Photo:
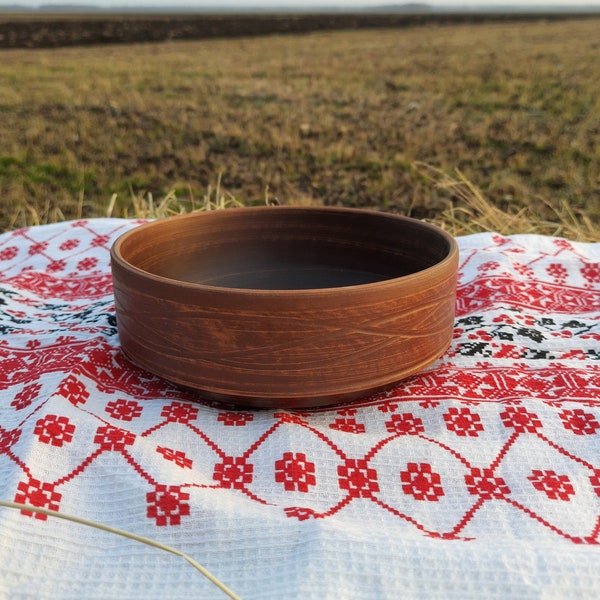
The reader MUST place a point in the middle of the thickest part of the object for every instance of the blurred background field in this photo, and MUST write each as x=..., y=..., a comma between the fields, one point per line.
x=472, y=126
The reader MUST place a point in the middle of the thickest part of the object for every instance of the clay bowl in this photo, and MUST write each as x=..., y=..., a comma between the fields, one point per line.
x=285, y=306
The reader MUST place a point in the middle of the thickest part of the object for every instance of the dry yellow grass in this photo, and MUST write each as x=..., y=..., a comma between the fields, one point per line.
x=428, y=121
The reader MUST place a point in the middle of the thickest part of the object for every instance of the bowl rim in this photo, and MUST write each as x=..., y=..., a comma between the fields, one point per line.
x=117, y=257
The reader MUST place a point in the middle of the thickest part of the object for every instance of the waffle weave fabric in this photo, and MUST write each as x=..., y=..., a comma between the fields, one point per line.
x=477, y=478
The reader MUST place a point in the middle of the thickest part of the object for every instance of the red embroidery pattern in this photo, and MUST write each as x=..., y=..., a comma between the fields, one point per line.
x=233, y=472
x=522, y=371
x=483, y=483
x=26, y=396
x=176, y=456
x=178, y=412
x=73, y=390
x=421, y=482
x=235, y=419
x=579, y=421
x=463, y=422
x=348, y=424
x=521, y=420
x=166, y=505
x=556, y=487
x=405, y=424
x=358, y=478
x=54, y=430
x=124, y=410
x=38, y=494
x=111, y=438
x=295, y=472
x=8, y=438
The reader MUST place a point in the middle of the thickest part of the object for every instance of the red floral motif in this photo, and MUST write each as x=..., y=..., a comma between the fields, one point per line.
x=124, y=410
x=429, y=404
x=8, y=438
x=9, y=253
x=178, y=412
x=579, y=421
x=54, y=430
x=37, y=248
x=557, y=272
x=294, y=419
x=295, y=472
x=176, y=456
x=100, y=240
x=235, y=419
x=504, y=318
x=87, y=264
x=463, y=422
x=595, y=481
x=68, y=245
x=113, y=438
x=347, y=412
x=556, y=487
x=481, y=335
x=421, y=482
x=38, y=494
x=348, y=425
x=562, y=244
x=233, y=472
x=358, y=478
x=73, y=390
x=523, y=269
x=387, y=406
x=56, y=265
x=299, y=512
x=490, y=265
x=591, y=272
x=26, y=396
x=520, y=419
x=508, y=351
x=405, y=424
x=167, y=504
x=483, y=483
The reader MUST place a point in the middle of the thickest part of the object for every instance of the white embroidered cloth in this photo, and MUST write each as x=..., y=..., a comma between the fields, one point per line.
x=478, y=478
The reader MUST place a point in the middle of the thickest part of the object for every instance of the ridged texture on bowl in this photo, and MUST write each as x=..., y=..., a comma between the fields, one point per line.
x=286, y=348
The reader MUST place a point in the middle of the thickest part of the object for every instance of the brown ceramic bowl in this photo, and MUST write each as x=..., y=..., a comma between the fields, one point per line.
x=285, y=306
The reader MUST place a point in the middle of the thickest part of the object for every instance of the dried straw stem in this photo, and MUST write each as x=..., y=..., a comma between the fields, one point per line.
x=125, y=534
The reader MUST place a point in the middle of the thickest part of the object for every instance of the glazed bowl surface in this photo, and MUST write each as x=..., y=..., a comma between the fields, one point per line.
x=289, y=307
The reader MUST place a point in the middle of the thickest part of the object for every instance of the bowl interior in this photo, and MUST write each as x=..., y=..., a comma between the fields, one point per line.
x=285, y=248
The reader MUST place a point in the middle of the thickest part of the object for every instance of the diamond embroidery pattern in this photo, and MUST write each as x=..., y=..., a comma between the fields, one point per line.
x=524, y=366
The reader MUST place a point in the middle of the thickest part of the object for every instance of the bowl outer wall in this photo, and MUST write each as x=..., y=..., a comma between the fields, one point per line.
x=291, y=348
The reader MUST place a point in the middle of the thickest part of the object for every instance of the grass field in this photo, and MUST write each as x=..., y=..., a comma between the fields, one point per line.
x=470, y=126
